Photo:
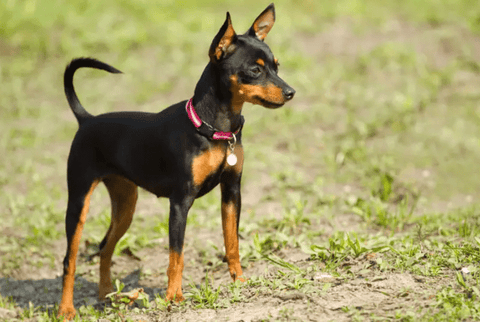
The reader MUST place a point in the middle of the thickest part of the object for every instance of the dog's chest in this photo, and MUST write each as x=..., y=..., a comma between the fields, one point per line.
x=207, y=165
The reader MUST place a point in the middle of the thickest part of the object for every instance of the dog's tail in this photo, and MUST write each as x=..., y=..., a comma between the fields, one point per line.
x=80, y=113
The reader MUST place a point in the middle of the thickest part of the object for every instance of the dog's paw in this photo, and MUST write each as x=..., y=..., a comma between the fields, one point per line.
x=176, y=297
x=68, y=313
x=104, y=290
x=242, y=279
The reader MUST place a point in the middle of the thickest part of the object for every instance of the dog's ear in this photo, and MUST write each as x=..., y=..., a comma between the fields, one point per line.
x=264, y=22
x=224, y=42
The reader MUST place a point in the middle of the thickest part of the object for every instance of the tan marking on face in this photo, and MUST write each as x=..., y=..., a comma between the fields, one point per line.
x=174, y=273
x=249, y=93
x=237, y=95
x=261, y=62
x=206, y=164
x=275, y=60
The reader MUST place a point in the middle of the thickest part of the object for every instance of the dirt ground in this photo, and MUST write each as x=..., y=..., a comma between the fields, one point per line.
x=380, y=294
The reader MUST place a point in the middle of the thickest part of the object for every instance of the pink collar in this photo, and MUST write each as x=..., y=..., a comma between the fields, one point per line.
x=205, y=128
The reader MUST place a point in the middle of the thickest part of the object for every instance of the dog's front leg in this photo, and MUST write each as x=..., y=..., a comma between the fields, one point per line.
x=176, y=229
x=231, y=205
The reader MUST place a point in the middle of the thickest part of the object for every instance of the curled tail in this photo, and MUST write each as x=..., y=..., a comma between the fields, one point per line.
x=80, y=113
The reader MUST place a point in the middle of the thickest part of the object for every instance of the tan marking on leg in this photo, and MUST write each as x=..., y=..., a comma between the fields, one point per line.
x=123, y=196
x=206, y=163
x=230, y=236
x=66, y=309
x=174, y=272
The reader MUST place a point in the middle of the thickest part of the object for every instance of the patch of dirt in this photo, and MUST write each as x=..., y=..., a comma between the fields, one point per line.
x=372, y=291
x=383, y=294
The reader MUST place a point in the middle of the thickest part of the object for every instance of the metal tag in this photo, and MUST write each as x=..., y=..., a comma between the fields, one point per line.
x=232, y=159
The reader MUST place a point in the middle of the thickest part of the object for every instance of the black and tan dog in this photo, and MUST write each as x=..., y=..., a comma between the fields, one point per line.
x=181, y=153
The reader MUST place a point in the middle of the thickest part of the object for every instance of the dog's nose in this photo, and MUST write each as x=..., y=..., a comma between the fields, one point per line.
x=288, y=93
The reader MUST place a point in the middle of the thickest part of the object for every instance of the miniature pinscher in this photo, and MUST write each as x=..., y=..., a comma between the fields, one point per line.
x=180, y=153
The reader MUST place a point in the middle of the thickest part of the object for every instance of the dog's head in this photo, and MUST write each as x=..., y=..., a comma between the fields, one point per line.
x=250, y=64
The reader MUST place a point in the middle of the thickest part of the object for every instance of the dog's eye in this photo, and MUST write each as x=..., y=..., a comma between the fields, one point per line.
x=256, y=71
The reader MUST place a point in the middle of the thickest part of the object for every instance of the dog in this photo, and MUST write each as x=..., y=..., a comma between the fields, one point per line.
x=180, y=153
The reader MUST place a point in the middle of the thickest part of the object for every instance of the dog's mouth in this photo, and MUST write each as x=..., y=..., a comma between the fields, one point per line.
x=268, y=104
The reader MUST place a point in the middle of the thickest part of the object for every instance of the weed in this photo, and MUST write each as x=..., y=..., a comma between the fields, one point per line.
x=455, y=306
x=122, y=301
x=205, y=296
x=235, y=290
x=342, y=246
x=281, y=263
x=7, y=302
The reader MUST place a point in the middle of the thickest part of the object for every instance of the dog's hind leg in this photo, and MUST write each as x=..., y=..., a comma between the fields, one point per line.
x=77, y=209
x=123, y=195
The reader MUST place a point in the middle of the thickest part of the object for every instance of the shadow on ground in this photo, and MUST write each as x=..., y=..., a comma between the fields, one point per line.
x=48, y=292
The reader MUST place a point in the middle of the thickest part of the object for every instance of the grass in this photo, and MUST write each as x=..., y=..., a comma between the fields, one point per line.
x=369, y=174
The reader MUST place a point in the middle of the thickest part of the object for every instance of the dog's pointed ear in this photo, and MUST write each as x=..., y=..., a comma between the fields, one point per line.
x=224, y=42
x=264, y=22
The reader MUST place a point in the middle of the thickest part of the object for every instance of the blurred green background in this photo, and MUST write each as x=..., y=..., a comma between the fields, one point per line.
x=384, y=89
x=387, y=86
x=387, y=105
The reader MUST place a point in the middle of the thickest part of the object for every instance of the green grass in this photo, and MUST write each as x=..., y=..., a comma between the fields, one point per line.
x=371, y=170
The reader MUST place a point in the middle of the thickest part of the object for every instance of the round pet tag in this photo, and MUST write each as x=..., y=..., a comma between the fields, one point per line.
x=232, y=159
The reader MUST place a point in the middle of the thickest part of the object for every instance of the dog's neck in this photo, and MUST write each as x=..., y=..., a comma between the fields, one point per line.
x=213, y=101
